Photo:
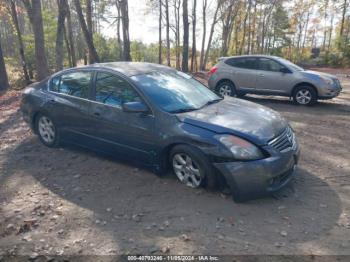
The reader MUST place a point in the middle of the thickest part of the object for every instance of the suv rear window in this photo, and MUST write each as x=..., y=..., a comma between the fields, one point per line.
x=246, y=62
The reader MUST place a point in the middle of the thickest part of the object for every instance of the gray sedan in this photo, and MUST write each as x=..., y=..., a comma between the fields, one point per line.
x=271, y=75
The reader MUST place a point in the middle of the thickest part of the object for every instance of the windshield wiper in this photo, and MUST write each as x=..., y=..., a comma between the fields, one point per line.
x=212, y=102
x=183, y=110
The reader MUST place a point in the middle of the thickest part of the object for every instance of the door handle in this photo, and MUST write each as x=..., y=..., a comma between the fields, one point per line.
x=52, y=101
x=97, y=114
x=261, y=75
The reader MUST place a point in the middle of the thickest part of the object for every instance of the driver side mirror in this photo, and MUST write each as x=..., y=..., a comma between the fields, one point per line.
x=285, y=70
x=135, y=107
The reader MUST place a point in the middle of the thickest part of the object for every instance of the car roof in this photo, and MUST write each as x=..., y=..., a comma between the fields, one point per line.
x=130, y=68
x=244, y=56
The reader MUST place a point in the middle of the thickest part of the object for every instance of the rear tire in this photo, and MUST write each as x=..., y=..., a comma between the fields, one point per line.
x=46, y=130
x=184, y=159
x=226, y=88
x=305, y=95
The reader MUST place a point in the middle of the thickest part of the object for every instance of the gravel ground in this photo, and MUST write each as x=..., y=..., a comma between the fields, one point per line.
x=71, y=201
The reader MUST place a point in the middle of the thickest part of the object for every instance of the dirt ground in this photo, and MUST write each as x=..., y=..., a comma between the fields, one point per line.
x=71, y=201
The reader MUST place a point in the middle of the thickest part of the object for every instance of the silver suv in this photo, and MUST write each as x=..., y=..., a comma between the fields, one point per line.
x=271, y=75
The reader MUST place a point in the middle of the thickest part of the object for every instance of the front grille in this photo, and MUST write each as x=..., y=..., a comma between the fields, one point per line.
x=285, y=141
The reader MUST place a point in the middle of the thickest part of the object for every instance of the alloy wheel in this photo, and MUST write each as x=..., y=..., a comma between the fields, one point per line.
x=303, y=96
x=187, y=170
x=225, y=90
x=46, y=129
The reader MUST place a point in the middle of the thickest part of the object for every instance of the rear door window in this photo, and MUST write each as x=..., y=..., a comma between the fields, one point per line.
x=74, y=84
x=243, y=62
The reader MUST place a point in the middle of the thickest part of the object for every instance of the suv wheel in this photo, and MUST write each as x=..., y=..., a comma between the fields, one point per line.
x=226, y=89
x=305, y=95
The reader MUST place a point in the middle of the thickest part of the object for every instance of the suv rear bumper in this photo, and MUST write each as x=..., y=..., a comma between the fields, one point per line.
x=253, y=179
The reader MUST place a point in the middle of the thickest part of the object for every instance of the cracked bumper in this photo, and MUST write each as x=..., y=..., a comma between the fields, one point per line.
x=253, y=179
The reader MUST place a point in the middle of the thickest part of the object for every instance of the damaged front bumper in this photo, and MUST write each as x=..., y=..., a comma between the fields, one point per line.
x=253, y=179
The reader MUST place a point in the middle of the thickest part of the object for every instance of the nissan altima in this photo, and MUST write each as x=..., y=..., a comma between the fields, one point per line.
x=166, y=120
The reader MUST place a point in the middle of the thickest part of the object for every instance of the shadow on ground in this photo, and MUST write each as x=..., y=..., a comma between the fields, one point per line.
x=167, y=209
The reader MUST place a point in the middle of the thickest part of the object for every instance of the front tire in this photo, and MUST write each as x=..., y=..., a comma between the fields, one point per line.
x=192, y=168
x=305, y=95
x=46, y=130
x=226, y=88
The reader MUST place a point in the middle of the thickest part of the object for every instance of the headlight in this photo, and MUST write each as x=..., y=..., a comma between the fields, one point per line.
x=327, y=80
x=240, y=148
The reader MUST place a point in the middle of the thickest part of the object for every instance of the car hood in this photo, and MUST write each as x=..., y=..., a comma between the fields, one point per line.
x=246, y=119
x=317, y=74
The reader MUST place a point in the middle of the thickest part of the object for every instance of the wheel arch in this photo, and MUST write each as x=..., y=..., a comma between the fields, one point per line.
x=304, y=84
x=166, y=165
x=222, y=81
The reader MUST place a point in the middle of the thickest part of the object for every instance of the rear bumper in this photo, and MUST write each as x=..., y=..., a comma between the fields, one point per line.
x=254, y=179
x=212, y=81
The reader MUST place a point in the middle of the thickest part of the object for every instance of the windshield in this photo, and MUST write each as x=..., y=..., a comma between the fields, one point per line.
x=174, y=91
x=291, y=65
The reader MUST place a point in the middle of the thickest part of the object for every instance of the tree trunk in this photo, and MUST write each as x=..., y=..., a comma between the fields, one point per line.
x=89, y=26
x=306, y=29
x=66, y=41
x=185, y=36
x=160, y=33
x=341, y=32
x=87, y=35
x=70, y=38
x=177, y=5
x=125, y=22
x=194, y=49
x=20, y=41
x=34, y=12
x=241, y=50
x=204, y=19
x=62, y=12
x=118, y=32
x=167, y=32
x=4, y=83
x=253, y=30
x=330, y=32
x=325, y=25
x=211, y=35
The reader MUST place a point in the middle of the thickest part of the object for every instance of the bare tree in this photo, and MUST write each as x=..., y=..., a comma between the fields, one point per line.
x=341, y=32
x=33, y=8
x=4, y=83
x=204, y=19
x=194, y=51
x=92, y=51
x=118, y=31
x=177, y=5
x=185, y=36
x=89, y=24
x=160, y=33
x=70, y=38
x=14, y=17
x=167, y=32
x=215, y=20
x=124, y=10
x=62, y=13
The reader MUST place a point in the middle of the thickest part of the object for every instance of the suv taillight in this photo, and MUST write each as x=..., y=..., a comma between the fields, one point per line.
x=212, y=71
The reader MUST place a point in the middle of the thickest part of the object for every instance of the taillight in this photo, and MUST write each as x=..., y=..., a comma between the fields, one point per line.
x=212, y=71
